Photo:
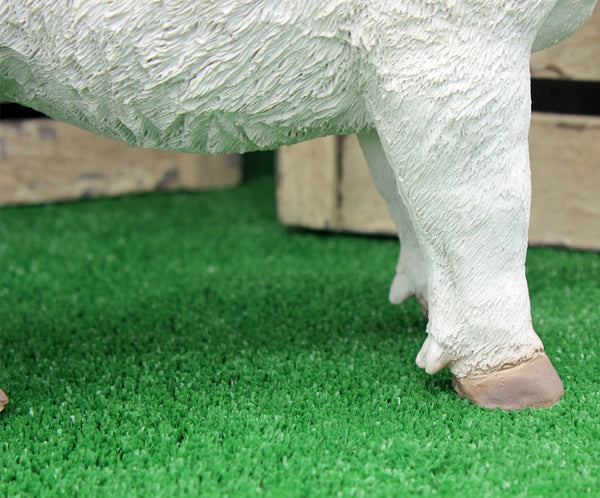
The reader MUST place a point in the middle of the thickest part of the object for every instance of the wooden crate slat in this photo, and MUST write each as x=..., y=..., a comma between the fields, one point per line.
x=42, y=160
x=307, y=184
x=565, y=162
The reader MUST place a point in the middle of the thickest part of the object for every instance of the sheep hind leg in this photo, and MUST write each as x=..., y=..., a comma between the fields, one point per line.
x=411, y=272
x=3, y=400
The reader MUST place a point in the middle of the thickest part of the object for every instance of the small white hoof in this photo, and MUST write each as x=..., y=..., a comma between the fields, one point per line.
x=432, y=358
x=402, y=288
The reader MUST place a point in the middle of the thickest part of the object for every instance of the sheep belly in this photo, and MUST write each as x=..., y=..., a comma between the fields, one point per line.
x=206, y=77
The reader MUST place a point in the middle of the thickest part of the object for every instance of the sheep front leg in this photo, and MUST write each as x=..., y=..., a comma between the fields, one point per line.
x=458, y=154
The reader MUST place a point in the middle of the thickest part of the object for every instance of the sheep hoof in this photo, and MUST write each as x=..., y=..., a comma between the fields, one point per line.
x=432, y=358
x=531, y=384
x=3, y=400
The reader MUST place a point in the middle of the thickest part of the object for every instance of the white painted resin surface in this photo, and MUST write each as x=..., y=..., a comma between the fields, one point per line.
x=212, y=77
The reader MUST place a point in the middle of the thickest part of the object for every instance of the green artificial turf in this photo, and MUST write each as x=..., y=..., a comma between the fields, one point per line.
x=176, y=344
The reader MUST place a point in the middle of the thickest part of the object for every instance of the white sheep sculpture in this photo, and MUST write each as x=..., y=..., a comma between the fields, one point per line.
x=437, y=91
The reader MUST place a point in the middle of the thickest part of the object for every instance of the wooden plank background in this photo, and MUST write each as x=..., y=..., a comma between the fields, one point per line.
x=43, y=160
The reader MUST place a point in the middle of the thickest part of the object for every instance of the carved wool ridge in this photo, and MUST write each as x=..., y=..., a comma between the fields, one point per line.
x=203, y=76
x=193, y=76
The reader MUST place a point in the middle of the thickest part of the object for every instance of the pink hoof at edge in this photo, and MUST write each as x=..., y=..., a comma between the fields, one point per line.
x=3, y=400
x=531, y=384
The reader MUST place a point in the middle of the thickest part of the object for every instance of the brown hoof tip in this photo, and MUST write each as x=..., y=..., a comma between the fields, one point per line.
x=3, y=400
x=531, y=384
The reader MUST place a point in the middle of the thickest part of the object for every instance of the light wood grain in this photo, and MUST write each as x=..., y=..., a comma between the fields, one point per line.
x=308, y=184
x=42, y=160
x=565, y=159
x=565, y=163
